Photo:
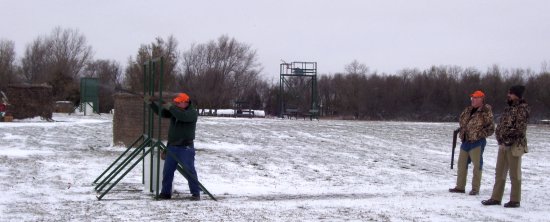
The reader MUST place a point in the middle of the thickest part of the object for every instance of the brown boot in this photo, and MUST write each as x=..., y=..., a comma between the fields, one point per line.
x=455, y=190
x=474, y=192
x=195, y=197
x=164, y=196
x=490, y=202
x=512, y=204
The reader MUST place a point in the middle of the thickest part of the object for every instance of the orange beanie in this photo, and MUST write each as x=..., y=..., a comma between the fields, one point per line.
x=181, y=97
x=477, y=94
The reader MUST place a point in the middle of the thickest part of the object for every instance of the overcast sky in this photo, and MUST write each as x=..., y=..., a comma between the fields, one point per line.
x=386, y=35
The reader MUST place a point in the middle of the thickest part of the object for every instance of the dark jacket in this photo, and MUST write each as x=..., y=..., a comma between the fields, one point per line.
x=512, y=128
x=183, y=123
x=477, y=125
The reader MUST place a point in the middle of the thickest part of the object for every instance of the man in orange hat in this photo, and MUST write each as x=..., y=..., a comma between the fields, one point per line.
x=181, y=133
x=476, y=124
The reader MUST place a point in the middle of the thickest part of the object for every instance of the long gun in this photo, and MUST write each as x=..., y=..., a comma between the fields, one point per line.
x=455, y=135
x=128, y=91
x=135, y=93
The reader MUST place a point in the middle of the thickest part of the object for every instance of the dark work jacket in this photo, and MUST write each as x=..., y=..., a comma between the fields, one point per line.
x=183, y=123
x=512, y=128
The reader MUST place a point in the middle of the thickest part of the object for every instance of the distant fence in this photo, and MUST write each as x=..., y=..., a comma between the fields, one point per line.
x=232, y=113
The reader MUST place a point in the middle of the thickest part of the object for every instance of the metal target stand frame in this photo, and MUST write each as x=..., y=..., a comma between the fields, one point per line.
x=301, y=70
x=146, y=143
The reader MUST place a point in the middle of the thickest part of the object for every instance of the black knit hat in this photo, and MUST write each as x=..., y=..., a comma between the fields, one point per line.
x=517, y=90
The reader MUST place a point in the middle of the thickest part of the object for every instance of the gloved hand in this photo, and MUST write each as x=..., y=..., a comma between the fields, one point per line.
x=147, y=99
x=167, y=106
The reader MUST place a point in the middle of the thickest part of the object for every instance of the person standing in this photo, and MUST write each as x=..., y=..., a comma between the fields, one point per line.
x=512, y=144
x=181, y=133
x=476, y=124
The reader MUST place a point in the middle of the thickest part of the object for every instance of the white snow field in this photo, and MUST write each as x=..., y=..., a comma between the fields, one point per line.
x=264, y=170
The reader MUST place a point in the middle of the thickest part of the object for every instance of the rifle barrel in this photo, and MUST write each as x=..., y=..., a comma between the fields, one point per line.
x=455, y=135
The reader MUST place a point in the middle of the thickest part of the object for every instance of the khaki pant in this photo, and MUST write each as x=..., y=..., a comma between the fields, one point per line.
x=506, y=162
x=475, y=156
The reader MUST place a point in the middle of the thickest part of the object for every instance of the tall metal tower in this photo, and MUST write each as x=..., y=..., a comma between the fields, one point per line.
x=298, y=88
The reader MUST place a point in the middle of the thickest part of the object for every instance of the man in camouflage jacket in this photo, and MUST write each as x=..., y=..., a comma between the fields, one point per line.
x=476, y=124
x=512, y=142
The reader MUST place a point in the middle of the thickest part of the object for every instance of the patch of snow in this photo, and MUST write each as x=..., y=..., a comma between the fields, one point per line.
x=263, y=170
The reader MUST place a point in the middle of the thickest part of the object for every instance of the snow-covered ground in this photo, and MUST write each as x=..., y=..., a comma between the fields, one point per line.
x=263, y=170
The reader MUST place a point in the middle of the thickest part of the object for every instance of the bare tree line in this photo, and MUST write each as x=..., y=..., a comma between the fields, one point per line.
x=436, y=94
x=57, y=59
x=159, y=48
x=217, y=73
x=7, y=63
x=221, y=72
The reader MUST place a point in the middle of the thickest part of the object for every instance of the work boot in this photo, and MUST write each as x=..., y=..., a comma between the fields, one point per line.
x=195, y=197
x=490, y=202
x=474, y=192
x=164, y=196
x=512, y=204
x=455, y=190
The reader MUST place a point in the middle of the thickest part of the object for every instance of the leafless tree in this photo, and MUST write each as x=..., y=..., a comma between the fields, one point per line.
x=109, y=74
x=538, y=94
x=36, y=61
x=356, y=67
x=70, y=52
x=108, y=71
x=57, y=59
x=219, y=72
x=159, y=48
x=8, y=67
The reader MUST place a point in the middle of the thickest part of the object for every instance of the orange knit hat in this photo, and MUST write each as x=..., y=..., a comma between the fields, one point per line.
x=181, y=98
x=477, y=94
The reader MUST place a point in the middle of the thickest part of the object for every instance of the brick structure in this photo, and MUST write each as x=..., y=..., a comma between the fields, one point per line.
x=64, y=107
x=28, y=101
x=128, y=119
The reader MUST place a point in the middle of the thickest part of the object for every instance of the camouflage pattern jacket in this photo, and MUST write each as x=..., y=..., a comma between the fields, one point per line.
x=512, y=127
x=477, y=125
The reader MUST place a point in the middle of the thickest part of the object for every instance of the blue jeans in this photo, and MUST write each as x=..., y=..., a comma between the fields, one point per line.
x=186, y=155
x=467, y=146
